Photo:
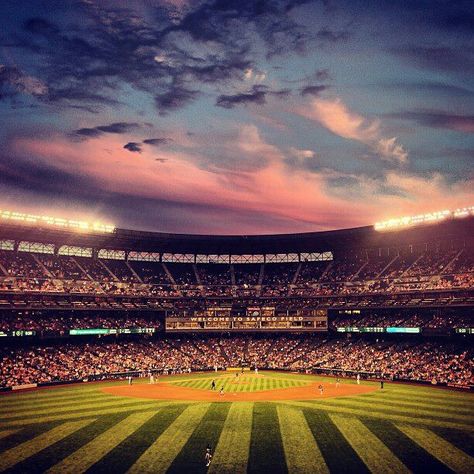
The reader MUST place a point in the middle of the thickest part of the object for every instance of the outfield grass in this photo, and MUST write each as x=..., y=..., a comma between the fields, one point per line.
x=79, y=428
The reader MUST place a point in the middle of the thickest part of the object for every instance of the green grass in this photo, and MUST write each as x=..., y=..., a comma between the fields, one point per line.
x=265, y=438
x=242, y=383
x=79, y=428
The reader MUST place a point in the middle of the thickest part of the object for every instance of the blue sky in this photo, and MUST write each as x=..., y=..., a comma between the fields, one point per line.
x=236, y=116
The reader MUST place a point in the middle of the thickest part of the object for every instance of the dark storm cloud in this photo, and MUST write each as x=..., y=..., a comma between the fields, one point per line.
x=228, y=21
x=112, y=46
x=313, y=90
x=256, y=95
x=133, y=147
x=74, y=94
x=438, y=119
x=175, y=97
x=116, y=128
x=220, y=69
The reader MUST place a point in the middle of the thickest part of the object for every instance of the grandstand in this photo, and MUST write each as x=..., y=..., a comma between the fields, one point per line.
x=332, y=300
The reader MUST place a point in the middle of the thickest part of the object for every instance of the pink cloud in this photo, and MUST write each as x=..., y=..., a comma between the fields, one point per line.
x=288, y=201
x=334, y=115
x=270, y=190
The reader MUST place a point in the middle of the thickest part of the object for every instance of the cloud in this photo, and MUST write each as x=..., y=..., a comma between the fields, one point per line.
x=302, y=154
x=159, y=51
x=259, y=197
x=256, y=95
x=118, y=127
x=13, y=81
x=389, y=148
x=234, y=22
x=174, y=98
x=277, y=201
x=334, y=115
x=323, y=75
x=438, y=119
x=314, y=90
x=133, y=147
x=254, y=76
x=157, y=141
x=115, y=128
x=236, y=151
x=88, y=132
x=137, y=147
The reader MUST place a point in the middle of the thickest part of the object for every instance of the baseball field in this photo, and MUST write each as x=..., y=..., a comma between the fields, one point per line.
x=268, y=422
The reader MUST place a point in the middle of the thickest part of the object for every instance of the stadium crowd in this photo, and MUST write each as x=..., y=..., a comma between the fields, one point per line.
x=68, y=320
x=435, y=362
x=346, y=275
x=408, y=319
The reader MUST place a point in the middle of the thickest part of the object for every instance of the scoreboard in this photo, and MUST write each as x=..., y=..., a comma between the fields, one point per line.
x=258, y=319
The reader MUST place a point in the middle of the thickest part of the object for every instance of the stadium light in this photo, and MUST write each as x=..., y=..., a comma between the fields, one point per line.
x=429, y=218
x=70, y=224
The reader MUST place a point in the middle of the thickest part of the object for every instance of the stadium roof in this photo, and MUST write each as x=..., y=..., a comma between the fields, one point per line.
x=356, y=238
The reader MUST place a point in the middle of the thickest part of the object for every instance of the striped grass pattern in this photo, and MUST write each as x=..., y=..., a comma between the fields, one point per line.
x=232, y=451
x=159, y=456
x=448, y=454
x=89, y=454
x=375, y=455
x=80, y=428
x=242, y=383
x=301, y=450
x=37, y=444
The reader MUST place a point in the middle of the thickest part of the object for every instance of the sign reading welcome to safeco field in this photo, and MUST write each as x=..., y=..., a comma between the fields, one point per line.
x=252, y=321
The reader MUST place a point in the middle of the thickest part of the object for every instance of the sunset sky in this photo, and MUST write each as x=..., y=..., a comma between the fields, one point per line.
x=235, y=116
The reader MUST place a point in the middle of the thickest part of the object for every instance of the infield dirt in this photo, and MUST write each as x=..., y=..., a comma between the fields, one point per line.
x=168, y=391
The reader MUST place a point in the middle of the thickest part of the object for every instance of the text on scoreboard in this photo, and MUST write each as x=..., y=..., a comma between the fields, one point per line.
x=253, y=319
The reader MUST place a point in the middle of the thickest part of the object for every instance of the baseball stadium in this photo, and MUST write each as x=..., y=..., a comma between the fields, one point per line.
x=337, y=351
x=236, y=236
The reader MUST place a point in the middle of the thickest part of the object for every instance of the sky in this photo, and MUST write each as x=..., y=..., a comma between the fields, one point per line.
x=236, y=116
